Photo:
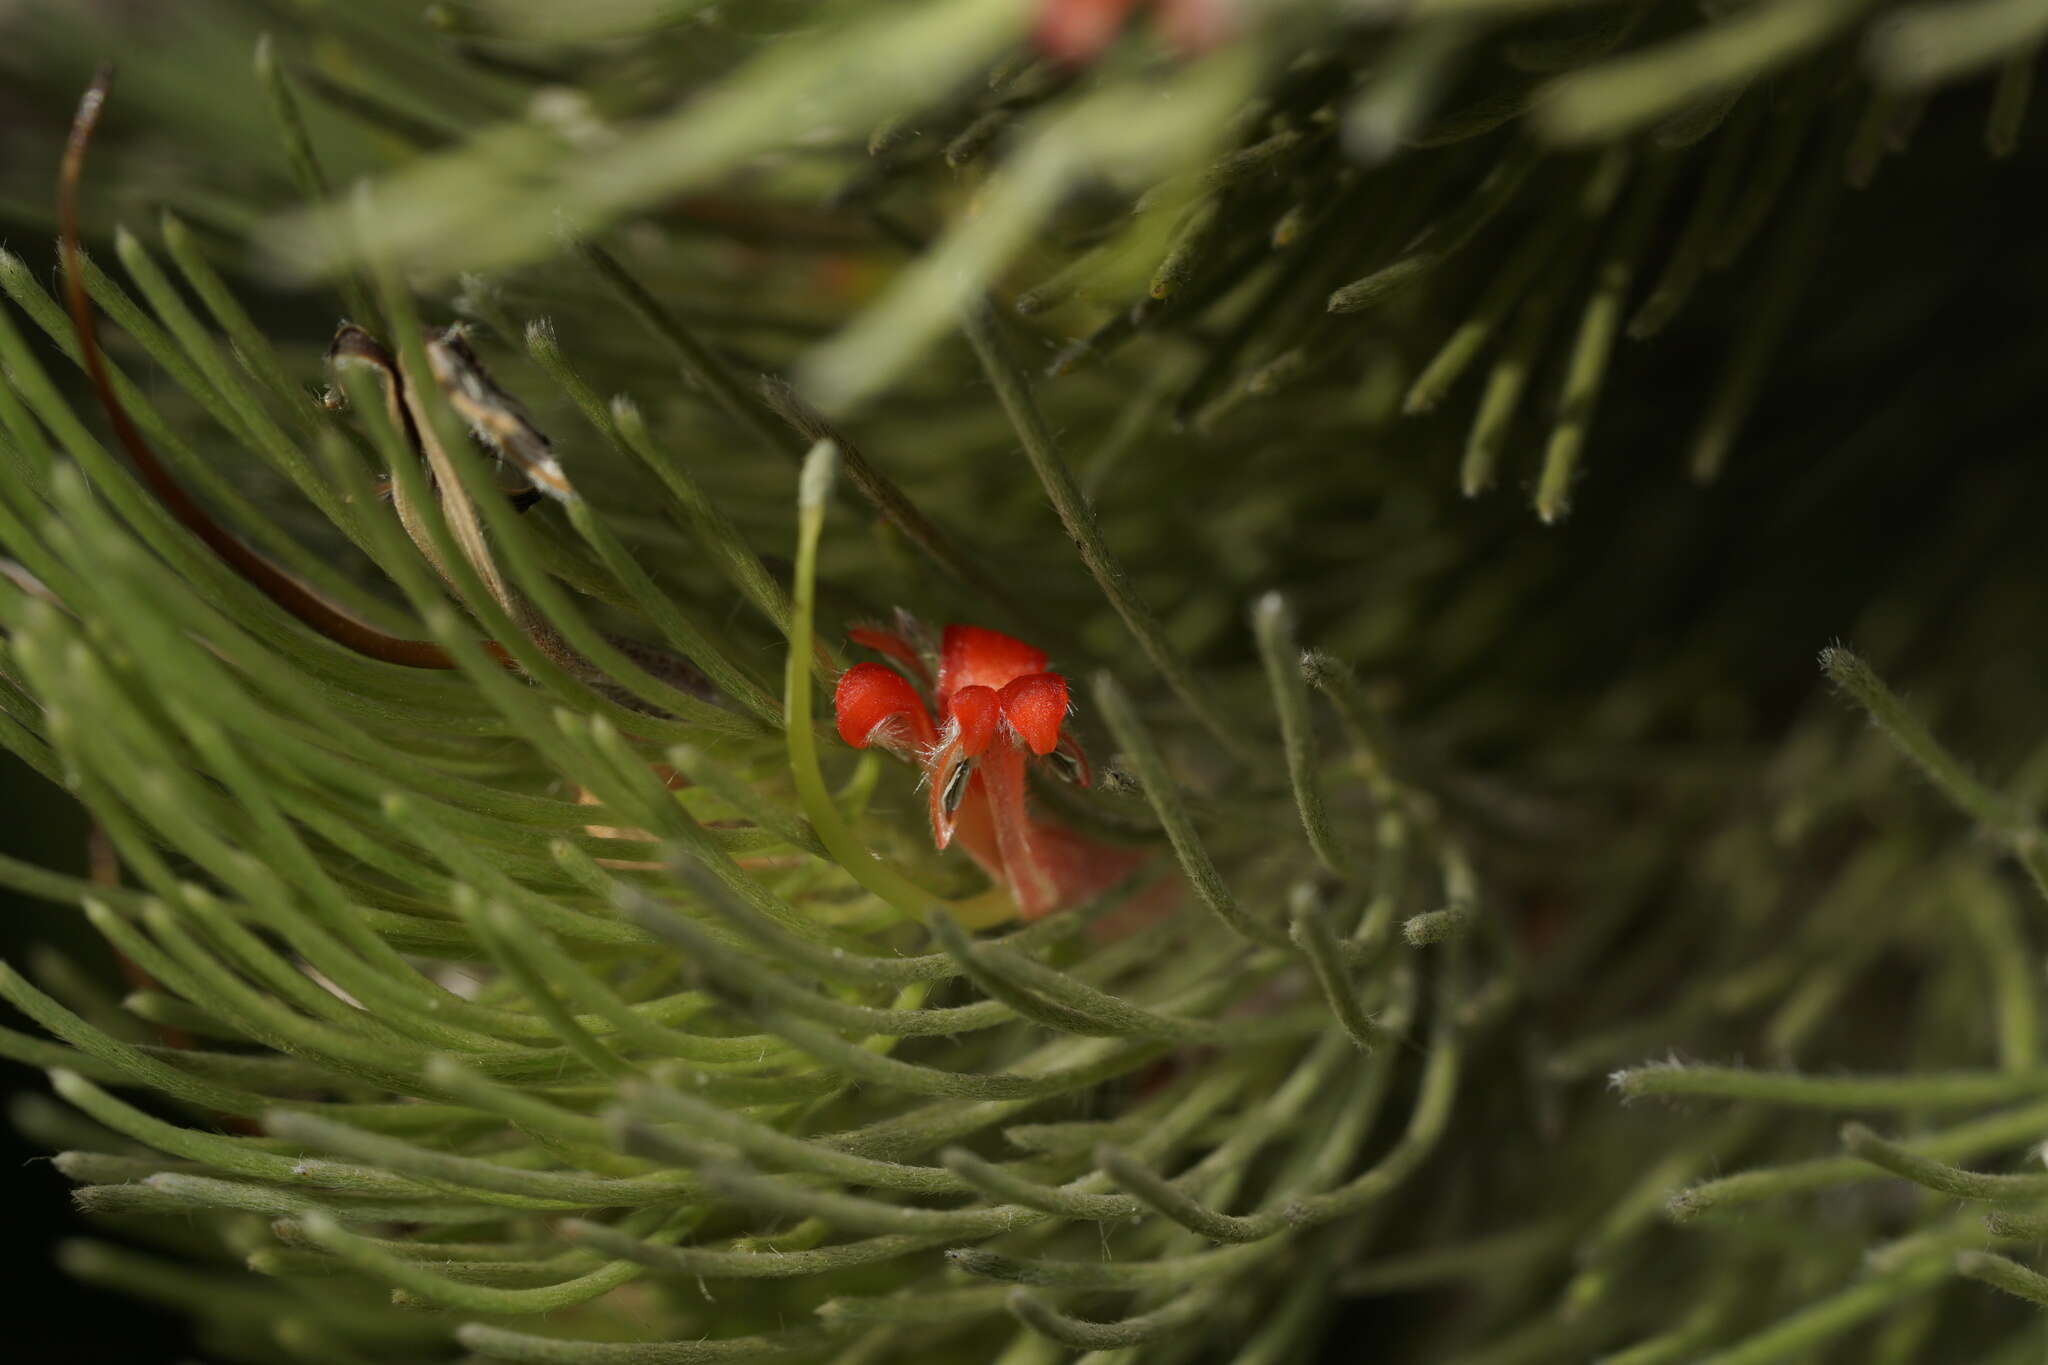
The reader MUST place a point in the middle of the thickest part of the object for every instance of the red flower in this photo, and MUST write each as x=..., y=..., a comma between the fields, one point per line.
x=1078, y=30
x=997, y=707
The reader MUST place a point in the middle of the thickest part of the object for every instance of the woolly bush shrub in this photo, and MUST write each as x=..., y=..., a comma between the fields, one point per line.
x=1430, y=439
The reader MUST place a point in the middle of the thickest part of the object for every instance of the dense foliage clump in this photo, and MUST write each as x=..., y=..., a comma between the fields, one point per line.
x=1430, y=441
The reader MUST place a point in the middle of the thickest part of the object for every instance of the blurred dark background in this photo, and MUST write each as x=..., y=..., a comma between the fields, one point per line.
x=52, y=1318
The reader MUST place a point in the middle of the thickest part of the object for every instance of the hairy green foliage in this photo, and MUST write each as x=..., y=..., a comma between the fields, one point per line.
x=609, y=1008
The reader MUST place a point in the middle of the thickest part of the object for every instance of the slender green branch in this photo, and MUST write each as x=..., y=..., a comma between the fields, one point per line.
x=1273, y=626
x=1935, y=1090
x=877, y=875
x=1082, y=1335
x=2001, y=1272
x=1077, y=515
x=1311, y=931
x=1164, y=794
x=1808, y=1331
x=1906, y=730
x=1937, y=1175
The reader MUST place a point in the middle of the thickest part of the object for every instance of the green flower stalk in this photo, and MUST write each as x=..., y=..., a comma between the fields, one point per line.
x=521, y=967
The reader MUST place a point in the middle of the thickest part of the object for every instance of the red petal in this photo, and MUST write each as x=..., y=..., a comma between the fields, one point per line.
x=1035, y=705
x=971, y=715
x=869, y=696
x=1031, y=881
x=1076, y=30
x=1080, y=869
x=976, y=709
x=973, y=656
x=973, y=829
x=1198, y=25
x=891, y=645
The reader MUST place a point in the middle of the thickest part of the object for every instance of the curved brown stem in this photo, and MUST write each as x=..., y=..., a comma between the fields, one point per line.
x=311, y=609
